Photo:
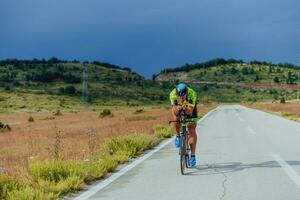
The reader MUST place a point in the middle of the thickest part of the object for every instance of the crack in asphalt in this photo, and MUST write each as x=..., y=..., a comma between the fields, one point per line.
x=223, y=184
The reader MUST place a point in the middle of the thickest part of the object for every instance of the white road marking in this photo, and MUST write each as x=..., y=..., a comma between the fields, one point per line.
x=241, y=119
x=294, y=176
x=251, y=130
x=87, y=194
x=112, y=178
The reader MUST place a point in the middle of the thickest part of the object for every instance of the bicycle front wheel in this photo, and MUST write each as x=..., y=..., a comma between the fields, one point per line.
x=183, y=161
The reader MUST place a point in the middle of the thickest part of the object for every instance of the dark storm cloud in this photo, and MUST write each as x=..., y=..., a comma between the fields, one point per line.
x=150, y=35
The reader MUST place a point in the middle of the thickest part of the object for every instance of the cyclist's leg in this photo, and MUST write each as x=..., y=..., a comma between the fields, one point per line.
x=192, y=131
x=176, y=124
x=192, y=138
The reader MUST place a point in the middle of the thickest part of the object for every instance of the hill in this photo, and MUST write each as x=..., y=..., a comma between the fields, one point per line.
x=236, y=71
x=49, y=85
x=55, y=70
x=235, y=80
x=42, y=85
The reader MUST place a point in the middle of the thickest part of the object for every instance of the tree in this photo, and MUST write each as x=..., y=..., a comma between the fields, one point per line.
x=233, y=70
x=245, y=70
x=70, y=89
x=290, y=78
x=70, y=78
x=276, y=79
x=282, y=100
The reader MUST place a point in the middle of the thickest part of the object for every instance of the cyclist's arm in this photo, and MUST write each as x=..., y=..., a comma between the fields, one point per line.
x=192, y=96
x=173, y=98
x=174, y=103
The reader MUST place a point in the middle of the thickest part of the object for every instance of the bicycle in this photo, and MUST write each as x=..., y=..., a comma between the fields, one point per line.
x=184, y=150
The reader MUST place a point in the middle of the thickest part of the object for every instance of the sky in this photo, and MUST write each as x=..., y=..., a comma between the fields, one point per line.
x=148, y=36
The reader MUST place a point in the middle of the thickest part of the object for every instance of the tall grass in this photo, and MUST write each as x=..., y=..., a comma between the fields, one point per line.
x=162, y=131
x=140, y=117
x=6, y=185
x=54, y=178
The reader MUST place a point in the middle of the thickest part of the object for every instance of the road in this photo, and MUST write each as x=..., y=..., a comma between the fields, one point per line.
x=242, y=154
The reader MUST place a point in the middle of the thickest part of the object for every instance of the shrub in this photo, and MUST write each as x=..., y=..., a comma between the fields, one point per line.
x=124, y=148
x=7, y=88
x=282, y=100
x=163, y=131
x=70, y=89
x=4, y=127
x=61, y=90
x=99, y=167
x=105, y=113
x=139, y=110
x=57, y=176
x=57, y=113
x=30, y=119
x=30, y=193
x=6, y=185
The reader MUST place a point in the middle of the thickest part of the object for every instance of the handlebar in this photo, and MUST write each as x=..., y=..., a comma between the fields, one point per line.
x=185, y=121
x=182, y=117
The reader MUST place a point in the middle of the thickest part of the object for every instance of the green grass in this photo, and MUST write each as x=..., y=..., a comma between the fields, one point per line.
x=290, y=116
x=162, y=131
x=30, y=193
x=53, y=179
x=7, y=184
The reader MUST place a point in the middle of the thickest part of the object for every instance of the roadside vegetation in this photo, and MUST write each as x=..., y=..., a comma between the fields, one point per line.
x=289, y=110
x=64, y=169
x=54, y=178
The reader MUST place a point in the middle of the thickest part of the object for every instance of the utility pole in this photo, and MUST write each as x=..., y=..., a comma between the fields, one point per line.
x=85, y=92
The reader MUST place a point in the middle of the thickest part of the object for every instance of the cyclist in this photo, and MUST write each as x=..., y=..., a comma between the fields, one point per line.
x=184, y=97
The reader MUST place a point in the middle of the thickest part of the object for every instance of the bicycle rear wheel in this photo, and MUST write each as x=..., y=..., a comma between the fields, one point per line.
x=187, y=152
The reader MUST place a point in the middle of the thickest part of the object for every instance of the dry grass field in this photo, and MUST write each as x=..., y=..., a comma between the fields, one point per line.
x=289, y=109
x=75, y=136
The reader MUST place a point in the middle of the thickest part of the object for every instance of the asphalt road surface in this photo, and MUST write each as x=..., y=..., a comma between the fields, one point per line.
x=242, y=154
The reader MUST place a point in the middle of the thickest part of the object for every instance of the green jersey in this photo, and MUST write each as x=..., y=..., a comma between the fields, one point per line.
x=191, y=98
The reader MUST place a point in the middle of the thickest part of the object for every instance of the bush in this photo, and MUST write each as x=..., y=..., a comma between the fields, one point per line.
x=30, y=119
x=70, y=89
x=57, y=176
x=139, y=110
x=124, y=148
x=282, y=100
x=30, y=193
x=4, y=127
x=7, y=88
x=61, y=90
x=163, y=131
x=57, y=113
x=105, y=113
x=6, y=185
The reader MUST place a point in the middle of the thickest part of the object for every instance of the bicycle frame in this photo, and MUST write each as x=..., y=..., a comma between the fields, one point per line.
x=184, y=150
